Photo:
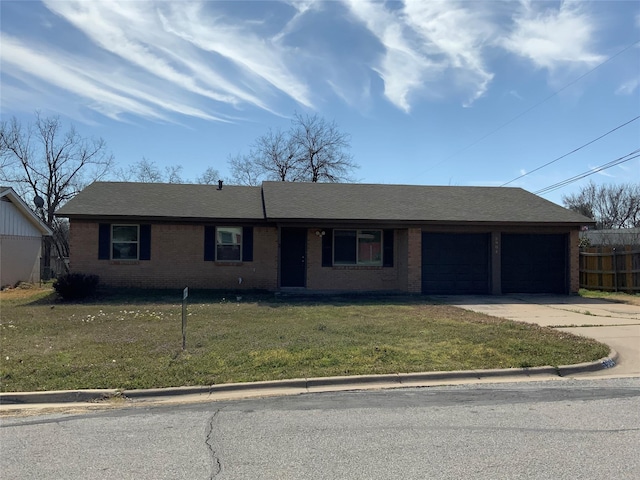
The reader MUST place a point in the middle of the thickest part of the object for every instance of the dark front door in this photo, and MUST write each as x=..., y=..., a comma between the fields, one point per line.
x=293, y=250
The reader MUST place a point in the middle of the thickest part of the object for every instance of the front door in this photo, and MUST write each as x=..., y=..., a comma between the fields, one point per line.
x=293, y=249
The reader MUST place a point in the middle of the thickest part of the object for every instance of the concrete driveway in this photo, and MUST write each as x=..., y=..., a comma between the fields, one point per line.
x=615, y=324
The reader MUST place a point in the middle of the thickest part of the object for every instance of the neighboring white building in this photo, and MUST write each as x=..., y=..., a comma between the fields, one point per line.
x=21, y=233
x=612, y=237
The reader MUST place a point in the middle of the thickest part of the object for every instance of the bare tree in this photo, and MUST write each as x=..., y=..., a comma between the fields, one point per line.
x=313, y=150
x=147, y=171
x=43, y=161
x=277, y=156
x=244, y=171
x=611, y=206
x=144, y=171
x=173, y=173
x=209, y=177
x=322, y=150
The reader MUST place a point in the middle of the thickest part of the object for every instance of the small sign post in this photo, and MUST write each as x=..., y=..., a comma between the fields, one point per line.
x=185, y=294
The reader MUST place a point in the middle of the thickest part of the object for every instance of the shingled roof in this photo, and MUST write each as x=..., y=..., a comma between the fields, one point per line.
x=165, y=201
x=330, y=202
x=411, y=203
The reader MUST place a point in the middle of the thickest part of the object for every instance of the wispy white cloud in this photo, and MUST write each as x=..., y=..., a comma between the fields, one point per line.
x=628, y=87
x=107, y=91
x=209, y=60
x=302, y=8
x=260, y=57
x=158, y=59
x=600, y=172
x=554, y=38
x=426, y=43
x=514, y=94
x=130, y=31
x=458, y=33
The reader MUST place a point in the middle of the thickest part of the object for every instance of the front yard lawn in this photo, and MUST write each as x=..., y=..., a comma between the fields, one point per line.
x=133, y=339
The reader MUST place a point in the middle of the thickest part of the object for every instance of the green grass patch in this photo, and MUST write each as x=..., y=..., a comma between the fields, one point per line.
x=133, y=340
x=619, y=297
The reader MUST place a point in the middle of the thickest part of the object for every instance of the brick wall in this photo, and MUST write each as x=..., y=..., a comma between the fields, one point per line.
x=355, y=278
x=177, y=260
x=414, y=256
x=574, y=261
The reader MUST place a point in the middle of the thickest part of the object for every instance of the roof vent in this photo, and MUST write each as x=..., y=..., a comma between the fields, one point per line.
x=219, y=184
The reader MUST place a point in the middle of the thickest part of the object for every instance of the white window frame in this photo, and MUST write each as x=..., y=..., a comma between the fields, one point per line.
x=217, y=229
x=136, y=242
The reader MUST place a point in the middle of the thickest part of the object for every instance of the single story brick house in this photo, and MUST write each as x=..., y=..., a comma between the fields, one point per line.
x=324, y=237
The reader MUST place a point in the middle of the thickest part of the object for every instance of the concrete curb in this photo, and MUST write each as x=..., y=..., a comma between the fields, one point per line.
x=302, y=385
x=57, y=396
x=606, y=362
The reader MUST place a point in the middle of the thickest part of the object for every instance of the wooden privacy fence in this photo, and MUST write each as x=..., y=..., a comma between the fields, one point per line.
x=615, y=269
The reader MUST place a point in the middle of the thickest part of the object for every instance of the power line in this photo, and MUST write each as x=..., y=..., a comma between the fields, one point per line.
x=536, y=105
x=612, y=163
x=572, y=151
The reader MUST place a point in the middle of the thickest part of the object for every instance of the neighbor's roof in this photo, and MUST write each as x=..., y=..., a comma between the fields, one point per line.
x=330, y=202
x=613, y=236
x=165, y=200
x=411, y=203
x=9, y=194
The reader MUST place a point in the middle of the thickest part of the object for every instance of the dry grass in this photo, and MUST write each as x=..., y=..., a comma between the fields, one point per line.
x=133, y=339
x=631, y=299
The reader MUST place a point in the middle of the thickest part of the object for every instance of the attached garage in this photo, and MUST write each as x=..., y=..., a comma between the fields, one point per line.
x=327, y=237
x=454, y=263
x=534, y=263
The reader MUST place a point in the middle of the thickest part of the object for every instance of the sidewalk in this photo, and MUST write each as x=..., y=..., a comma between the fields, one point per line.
x=617, y=325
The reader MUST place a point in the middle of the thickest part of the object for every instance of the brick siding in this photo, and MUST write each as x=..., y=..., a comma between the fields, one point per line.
x=177, y=260
x=354, y=278
x=574, y=261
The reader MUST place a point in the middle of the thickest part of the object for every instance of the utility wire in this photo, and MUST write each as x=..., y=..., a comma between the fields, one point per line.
x=572, y=151
x=536, y=105
x=612, y=163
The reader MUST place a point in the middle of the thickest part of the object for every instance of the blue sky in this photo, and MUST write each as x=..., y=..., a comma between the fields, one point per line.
x=434, y=93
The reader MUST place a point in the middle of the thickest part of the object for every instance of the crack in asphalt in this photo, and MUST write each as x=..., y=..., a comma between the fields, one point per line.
x=216, y=464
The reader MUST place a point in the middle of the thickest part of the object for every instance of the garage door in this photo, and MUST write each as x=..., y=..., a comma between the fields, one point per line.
x=455, y=263
x=534, y=263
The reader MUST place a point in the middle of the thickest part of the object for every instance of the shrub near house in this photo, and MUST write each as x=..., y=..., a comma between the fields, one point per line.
x=74, y=286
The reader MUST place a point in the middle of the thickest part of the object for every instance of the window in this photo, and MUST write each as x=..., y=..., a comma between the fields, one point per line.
x=228, y=244
x=124, y=242
x=357, y=247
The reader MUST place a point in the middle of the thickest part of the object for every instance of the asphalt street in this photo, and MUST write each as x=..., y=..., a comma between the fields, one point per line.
x=561, y=429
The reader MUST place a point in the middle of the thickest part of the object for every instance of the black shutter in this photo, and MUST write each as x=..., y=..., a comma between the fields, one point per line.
x=145, y=242
x=247, y=244
x=209, y=243
x=387, y=246
x=327, y=248
x=104, y=241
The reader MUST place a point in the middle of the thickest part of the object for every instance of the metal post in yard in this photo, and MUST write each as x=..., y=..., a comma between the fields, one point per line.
x=185, y=294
